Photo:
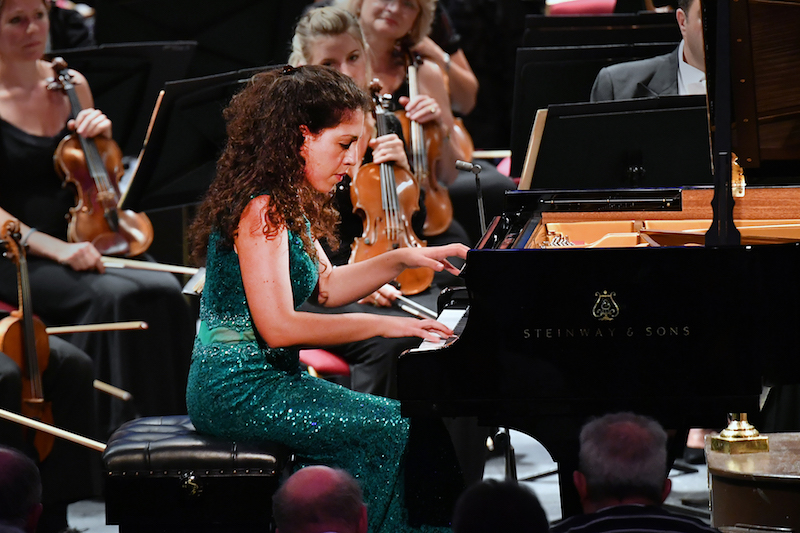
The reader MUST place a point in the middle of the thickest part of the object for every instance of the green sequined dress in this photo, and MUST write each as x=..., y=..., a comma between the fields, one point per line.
x=240, y=388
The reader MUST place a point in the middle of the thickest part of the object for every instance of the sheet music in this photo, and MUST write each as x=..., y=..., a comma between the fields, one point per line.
x=451, y=319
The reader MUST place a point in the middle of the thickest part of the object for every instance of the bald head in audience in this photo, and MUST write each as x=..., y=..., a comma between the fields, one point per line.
x=319, y=499
x=622, y=460
x=20, y=492
x=504, y=506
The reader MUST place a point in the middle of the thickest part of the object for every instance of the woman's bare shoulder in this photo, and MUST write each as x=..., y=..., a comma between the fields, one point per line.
x=254, y=218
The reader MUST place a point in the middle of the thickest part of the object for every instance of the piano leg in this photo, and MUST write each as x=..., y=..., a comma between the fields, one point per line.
x=570, y=500
x=469, y=441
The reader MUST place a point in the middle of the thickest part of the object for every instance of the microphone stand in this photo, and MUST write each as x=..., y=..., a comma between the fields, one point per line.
x=475, y=169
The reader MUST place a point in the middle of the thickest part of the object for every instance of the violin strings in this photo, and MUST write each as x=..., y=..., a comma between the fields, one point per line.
x=93, y=160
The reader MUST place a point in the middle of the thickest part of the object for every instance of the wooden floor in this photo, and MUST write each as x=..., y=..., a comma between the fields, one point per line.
x=689, y=490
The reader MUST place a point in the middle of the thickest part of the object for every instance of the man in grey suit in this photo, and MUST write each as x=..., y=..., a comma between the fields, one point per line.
x=679, y=72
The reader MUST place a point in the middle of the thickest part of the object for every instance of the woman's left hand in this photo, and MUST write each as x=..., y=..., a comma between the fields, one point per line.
x=422, y=108
x=90, y=123
x=435, y=257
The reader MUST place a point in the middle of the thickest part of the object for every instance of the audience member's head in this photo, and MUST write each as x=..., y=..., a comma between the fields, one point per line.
x=623, y=459
x=499, y=506
x=319, y=499
x=20, y=490
x=690, y=22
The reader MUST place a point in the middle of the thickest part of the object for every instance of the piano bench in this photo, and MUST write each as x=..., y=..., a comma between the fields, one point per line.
x=161, y=475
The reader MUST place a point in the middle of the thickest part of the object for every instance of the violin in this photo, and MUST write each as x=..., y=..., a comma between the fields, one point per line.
x=385, y=198
x=463, y=139
x=426, y=151
x=93, y=167
x=24, y=339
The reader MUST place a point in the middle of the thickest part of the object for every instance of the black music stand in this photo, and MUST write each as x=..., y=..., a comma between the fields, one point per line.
x=618, y=28
x=562, y=75
x=231, y=35
x=125, y=80
x=642, y=143
x=186, y=137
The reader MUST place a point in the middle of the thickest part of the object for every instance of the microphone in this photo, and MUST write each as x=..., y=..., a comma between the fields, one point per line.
x=469, y=167
x=475, y=169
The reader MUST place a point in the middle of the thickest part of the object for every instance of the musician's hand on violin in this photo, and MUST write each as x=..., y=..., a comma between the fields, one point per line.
x=389, y=148
x=426, y=328
x=435, y=257
x=90, y=123
x=383, y=297
x=80, y=256
x=422, y=108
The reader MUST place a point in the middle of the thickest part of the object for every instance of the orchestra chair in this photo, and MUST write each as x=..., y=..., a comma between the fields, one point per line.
x=161, y=475
x=579, y=7
x=324, y=364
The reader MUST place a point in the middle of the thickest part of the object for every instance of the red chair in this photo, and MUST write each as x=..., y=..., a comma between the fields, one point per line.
x=582, y=7
x=324, y=364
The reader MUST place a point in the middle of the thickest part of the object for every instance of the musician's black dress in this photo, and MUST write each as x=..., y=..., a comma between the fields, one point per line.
x=150, y=364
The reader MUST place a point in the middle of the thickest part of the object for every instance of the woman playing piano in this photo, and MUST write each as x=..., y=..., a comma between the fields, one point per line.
x=292, y=135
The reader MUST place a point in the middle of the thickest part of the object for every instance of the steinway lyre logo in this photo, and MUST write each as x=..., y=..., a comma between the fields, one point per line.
x=605, y=308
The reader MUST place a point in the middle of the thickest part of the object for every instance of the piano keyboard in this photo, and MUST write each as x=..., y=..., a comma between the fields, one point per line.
x=454, y=319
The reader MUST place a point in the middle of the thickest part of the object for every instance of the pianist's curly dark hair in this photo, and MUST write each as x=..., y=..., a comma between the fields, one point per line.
x=263, y=154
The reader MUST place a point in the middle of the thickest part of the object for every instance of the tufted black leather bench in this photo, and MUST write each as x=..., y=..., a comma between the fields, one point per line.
x=161, y=475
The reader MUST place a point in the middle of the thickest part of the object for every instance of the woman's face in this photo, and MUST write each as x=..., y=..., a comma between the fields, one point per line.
x=24, y=26
x=392, y=18
x=342, y=52
x=331, y=153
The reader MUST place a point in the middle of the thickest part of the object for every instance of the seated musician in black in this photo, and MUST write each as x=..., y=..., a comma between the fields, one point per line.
x=69, y=282
x=68, y=471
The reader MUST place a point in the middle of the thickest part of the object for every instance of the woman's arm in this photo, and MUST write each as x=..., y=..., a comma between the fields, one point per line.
x=78, y=256
x=264, y=264
x=462, y=82
x=348, y=283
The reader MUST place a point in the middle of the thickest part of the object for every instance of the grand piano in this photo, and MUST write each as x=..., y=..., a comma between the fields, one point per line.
x=674, y=303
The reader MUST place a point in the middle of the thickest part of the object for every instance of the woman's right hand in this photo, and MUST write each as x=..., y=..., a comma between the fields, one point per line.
x=423, y=109
x=91, y=123
x=80, y=256
x=435, y=257
x=427, y=328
